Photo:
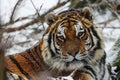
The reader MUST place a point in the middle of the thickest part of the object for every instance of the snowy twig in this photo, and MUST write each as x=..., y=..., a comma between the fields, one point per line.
x=36, y=20
x=112, y=8
x=18, y=20
x=14, y=9
x=37, y=11
x=110, y=27
x=107, y=21
x=23, y=42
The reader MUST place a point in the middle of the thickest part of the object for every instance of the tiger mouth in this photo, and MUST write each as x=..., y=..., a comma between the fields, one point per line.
x=77, y=58
x=71, y=61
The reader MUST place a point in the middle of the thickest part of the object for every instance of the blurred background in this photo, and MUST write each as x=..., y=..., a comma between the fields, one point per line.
x=22, y=23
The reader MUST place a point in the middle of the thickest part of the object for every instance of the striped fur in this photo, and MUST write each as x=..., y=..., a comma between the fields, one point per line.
x=71, y=42
x=12, y=76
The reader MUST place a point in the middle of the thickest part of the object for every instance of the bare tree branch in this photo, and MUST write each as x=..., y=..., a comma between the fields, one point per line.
x=36, y=20
x=23, y=42
x=74, y=3
x=110, y=27
x=14, y=9
x=37, y=11
x=18, y=20
x=107, y=21
x=22, y=26
x=112, y=9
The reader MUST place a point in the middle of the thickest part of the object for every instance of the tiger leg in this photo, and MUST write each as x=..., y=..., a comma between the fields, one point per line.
x=82, y=76
x=75, y=75
x=85, y=76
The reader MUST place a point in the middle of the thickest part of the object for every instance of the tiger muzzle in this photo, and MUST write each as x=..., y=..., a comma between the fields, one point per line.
x=73, y=53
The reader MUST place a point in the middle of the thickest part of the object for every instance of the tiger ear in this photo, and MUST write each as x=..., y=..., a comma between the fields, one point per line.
x=87, y=13
x=50, y=18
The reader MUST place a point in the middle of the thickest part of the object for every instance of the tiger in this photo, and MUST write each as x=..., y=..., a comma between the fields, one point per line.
x=71, y=42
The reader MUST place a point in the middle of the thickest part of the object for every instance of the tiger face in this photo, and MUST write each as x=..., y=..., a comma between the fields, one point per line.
x=71, y=40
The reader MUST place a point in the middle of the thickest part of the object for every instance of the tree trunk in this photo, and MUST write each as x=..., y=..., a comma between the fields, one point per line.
x=2, y=65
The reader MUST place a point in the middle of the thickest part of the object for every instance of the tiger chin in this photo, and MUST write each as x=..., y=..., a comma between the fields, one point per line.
x=71, y=42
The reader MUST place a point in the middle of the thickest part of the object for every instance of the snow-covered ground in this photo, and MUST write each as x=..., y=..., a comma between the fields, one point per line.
x=27, y=35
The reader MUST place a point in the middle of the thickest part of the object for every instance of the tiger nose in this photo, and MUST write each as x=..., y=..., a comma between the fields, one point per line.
x=73, y=53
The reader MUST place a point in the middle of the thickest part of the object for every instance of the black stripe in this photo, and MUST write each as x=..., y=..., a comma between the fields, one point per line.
x=98, y=45
x=31, y=55
x=37, y=48
x=37, y=51
x=85, y=61
x=69, y=23
x=49, y=42
x=103, y=71
x=30, y=63
x=66, y=19
x=19, y=67
x=91, y=37
x=56, y=49
x=95, y=33
x=92, y=53
x=93, y=72
x=11, y=75
x=103, y=61
x=67, y=64
x=20, y=78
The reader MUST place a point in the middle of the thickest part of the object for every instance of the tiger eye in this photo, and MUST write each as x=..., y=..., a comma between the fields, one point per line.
x=61, y=38
x=80, y=34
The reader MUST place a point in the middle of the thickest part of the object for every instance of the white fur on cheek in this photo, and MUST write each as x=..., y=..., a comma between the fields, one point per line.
x=52, y=46
x=45, y=48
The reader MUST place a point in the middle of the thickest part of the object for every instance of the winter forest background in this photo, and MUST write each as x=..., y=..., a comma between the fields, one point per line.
x=22, y=24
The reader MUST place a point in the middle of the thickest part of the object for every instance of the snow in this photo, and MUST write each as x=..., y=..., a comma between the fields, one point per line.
x=27, y=9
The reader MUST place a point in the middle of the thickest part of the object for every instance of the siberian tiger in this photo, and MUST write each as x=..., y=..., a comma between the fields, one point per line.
x=72, y=41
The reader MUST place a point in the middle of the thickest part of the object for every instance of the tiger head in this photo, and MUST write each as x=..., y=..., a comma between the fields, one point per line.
x=71, y=40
